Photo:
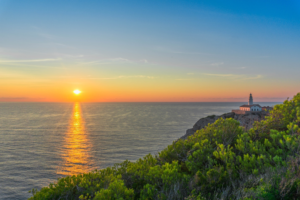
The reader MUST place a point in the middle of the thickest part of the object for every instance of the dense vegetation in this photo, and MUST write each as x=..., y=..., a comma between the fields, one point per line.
x=221, y=161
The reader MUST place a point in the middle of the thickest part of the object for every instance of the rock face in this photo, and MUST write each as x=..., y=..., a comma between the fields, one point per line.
x=246, y=120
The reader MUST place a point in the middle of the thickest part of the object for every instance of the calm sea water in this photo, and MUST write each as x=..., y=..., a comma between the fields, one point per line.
x=40, y=142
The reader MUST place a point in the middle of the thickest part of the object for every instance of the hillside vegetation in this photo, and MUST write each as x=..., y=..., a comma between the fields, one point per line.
x=221, y=161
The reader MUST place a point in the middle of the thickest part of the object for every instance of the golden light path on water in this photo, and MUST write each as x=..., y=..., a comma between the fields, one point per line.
x=76, y=156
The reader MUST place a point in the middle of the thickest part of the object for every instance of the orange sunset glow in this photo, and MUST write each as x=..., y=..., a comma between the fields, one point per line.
x=202, y=89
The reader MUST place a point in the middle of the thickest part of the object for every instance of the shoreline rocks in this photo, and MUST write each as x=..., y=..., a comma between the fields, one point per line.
x=246, y=121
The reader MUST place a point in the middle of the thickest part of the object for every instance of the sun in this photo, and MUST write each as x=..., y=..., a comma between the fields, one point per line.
x=76, y=92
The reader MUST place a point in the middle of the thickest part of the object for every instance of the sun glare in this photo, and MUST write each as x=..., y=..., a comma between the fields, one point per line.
x=77, y=92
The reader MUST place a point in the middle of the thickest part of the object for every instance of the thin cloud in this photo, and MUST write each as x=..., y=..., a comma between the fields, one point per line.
x=256, y=77
x=183, y=79
x=34, y=66
x=236, y=76
x=114, y=61
x=125, y=77
x=166, y=50
x=34, y=60
x=60, y=45
x=223, y=75
x=41, y=33
x=120, y=59
x=217, y=64
x=190, y=73
x=71, y=56
x=13, y=53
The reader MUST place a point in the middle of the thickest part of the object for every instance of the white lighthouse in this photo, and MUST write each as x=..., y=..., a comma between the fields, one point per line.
x=250, y=102
x=251, y=107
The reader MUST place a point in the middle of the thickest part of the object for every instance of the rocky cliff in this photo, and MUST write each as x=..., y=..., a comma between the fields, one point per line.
x=246, y=120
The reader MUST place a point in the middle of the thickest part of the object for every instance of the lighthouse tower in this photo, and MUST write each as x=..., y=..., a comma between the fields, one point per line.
x=250, y=100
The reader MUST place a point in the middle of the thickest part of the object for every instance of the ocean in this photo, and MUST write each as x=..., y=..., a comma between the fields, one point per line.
x=40, y=142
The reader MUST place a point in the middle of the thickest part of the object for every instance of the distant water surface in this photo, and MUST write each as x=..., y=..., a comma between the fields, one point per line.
x=40, y=142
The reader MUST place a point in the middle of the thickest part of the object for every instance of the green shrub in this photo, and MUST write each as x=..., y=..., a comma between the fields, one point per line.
x=115, y=191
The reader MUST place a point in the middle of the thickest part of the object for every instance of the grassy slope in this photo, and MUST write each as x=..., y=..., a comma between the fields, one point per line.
x=221, y=161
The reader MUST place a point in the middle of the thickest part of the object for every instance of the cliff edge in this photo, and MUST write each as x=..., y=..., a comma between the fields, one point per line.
x=246, y=120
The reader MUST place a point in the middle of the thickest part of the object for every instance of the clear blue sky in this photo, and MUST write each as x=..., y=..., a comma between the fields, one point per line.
x=231, y=48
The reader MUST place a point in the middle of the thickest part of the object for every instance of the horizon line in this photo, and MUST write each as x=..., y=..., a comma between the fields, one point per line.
x=137, y=102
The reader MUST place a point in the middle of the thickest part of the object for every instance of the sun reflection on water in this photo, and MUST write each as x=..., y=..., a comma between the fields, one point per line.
x=76, y=157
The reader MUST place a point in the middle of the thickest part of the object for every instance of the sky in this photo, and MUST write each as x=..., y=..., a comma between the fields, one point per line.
x=149, y=51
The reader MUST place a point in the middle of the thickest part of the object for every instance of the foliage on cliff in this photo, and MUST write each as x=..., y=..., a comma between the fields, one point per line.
x=221, y=161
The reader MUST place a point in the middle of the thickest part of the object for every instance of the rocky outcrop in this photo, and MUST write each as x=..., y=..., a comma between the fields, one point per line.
x=246, y=120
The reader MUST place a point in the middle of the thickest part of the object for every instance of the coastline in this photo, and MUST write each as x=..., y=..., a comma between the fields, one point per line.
x=246, y=120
